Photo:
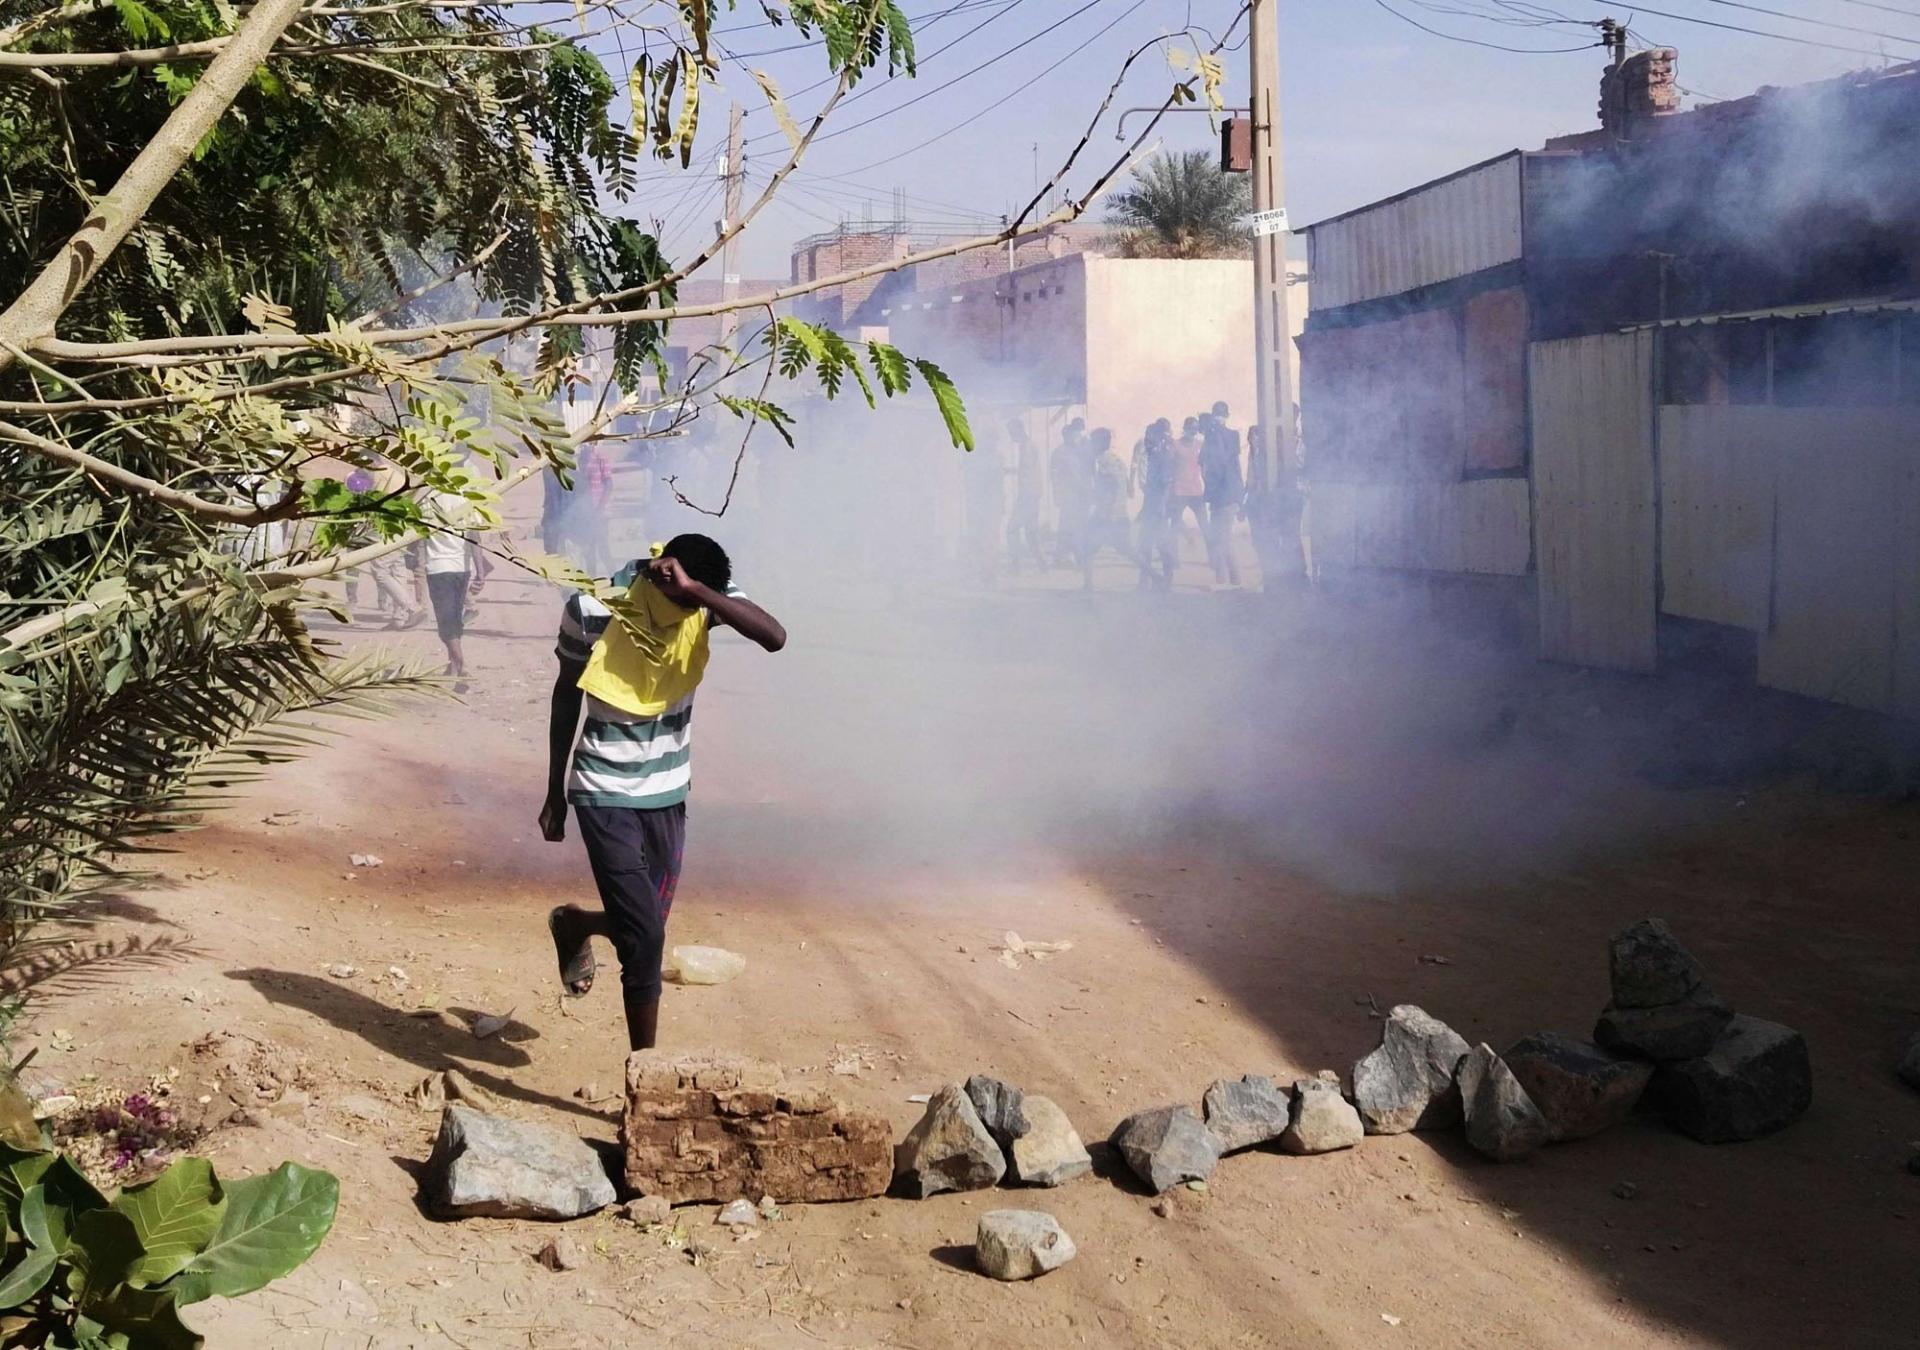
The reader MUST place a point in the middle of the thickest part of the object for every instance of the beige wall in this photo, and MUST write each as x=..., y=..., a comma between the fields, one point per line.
x=1167, y=338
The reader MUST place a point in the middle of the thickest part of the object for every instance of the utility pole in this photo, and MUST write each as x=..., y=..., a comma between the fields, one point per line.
x=733, y=168
x=1273, y=377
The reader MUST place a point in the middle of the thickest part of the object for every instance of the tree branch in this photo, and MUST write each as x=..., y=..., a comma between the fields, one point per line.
x=35, y=312
x=232, y=512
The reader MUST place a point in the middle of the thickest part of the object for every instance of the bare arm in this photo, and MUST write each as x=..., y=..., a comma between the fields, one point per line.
x=743, y=616
x=563, y=720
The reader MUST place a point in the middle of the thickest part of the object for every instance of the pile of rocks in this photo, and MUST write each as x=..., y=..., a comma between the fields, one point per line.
x=1168, y=1145
x=976, y=1134
x=1665, y=1036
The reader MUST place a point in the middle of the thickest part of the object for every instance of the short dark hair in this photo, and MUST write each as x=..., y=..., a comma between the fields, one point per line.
x=706, y=562
x=1220, y=409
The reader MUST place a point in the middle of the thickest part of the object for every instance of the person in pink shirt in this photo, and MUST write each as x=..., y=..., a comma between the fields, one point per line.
x=1189, y=483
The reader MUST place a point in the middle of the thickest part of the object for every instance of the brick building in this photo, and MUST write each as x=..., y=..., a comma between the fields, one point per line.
x=851, y=246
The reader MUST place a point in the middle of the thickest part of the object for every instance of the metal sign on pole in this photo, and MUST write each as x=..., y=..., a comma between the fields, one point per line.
x=1269, y=222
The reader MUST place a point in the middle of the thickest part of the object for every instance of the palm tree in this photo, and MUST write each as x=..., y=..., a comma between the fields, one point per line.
x=1183, y=206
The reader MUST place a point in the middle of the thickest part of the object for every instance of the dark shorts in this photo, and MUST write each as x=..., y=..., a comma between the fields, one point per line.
x=635, y=854
x=448, y=591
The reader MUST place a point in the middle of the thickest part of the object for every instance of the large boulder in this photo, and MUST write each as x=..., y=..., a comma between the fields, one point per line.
x=1756, y=1079
x=1166, y=1146
x=1246, y=1111
x=714, y=1128
x=999, y=1107
x=487, y=1166
x=1673, y=1031
x=1050, y=1153
x=1018, y=1244
x=1649, y=968
x=1322, y=1119
x=948, y=1150
x=1407, y=1082
x=1579, y=1088
x=1502, y=1120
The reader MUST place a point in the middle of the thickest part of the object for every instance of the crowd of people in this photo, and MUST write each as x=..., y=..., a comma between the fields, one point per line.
x=1200, y=474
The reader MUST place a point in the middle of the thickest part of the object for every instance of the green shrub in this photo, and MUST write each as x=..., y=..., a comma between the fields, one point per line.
x=84, y=1272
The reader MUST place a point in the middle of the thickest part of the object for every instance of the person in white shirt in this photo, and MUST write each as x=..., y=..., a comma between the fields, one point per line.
x=455, y=569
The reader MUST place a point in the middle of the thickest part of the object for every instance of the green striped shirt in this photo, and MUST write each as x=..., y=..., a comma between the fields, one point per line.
x=620, y=759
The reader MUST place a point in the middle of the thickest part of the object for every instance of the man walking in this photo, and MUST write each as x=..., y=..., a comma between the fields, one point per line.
x=631, y=768
x=1226, y=491
x=454, y=570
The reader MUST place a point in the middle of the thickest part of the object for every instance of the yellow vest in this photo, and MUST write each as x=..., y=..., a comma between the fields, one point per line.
x=652, y=654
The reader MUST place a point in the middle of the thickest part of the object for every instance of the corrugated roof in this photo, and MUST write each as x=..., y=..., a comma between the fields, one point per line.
x=1455, y=226
x=1879, y=305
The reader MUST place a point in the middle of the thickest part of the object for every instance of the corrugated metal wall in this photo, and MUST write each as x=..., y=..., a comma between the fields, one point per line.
x=1453, y=228
x=1716, y=514
x=1592, y=412
x=1479, y=526
x=1801, y=525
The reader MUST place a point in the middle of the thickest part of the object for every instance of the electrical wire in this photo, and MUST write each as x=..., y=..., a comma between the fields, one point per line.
x=1752, y=32
x=1476, y=42
x=1885, y=9
x=997, y=103
x=1818, y=23
x=1006, y=8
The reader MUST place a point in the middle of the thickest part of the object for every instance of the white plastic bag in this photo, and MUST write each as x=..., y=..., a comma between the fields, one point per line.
x=702, y=965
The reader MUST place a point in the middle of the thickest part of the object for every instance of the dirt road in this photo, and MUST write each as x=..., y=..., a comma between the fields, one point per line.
x=1248, y=842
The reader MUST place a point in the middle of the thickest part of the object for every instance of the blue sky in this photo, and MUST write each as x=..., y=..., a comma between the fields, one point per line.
x=1372, y=104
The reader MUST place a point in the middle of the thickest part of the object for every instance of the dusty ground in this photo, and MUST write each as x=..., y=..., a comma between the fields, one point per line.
x=1376, y=807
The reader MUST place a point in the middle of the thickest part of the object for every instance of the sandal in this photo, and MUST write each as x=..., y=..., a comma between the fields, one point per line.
x=576, y=971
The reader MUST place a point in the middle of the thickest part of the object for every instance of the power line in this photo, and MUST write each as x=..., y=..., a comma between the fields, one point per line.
x=1819, y=23
x=1476, y=42
x=1005, y=9
x=997, y=103
x=995, y=59
x=1885, y=9
x=1752, y=32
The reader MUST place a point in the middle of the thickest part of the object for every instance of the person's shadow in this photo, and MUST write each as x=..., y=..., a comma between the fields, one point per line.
x=432, y=1044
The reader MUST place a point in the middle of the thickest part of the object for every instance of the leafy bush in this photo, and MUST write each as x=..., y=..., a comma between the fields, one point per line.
x=84, y=1272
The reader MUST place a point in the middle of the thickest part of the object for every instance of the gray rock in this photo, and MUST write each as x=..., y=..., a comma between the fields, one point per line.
x=1683, y=1030
x=1502, y=1121
x=1579, y=1088
x=1166, y=1146
x=1755, y=1080
x=1050, y=1153
x=1407, y=1083
x=1910, y=1064
x=490, y=1167
x=647, y=1210
x=1246, y=1111
x=1018, y=1244
x=1649, y=967
x=998, y=1105
x=949, y=1150
x=1322, y=1120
